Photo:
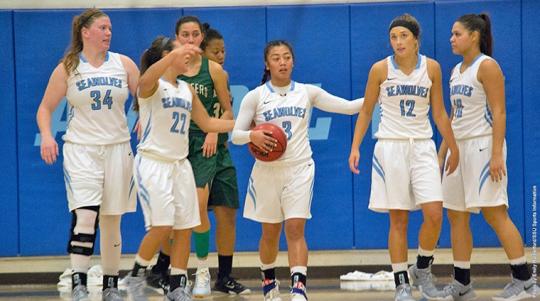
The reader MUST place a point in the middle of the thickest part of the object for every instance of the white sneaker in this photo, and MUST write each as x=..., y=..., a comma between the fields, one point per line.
x=271, y=290
x=95, y=277
x=201, y=287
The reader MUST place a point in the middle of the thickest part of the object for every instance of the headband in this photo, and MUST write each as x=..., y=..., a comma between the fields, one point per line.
x=407, y=24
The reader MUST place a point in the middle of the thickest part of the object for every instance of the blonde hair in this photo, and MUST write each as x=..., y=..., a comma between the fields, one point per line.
x=85, y=19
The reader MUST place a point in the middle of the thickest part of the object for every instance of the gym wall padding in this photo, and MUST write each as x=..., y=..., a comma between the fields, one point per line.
x=531, y=122
x=335, y=46
x=8, y=148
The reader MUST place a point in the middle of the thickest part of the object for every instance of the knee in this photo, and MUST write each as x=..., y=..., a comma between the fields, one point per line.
x=294, y=232
x=271, y=232
x=83, y=231
x=433, y=218
x=399, y=224
x=495, y=217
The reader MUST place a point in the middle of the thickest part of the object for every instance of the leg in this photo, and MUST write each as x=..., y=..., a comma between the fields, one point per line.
x=298, y=256
x=268, y=251
x=149, y=246
x=179, y=290
x=427, y=238
x=111, y=251
x=462, y=244
x=201, y=235
x=81, y=247
x=397, y=246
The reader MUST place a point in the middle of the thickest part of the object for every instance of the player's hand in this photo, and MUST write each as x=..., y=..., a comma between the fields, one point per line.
x=496, y=167
x=209, y=147
x=263, y=140
x=354, y=158
x=49, y=149
x=184, y=53
x=453, y=161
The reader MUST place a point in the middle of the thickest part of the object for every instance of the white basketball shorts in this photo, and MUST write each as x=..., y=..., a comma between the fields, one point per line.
x=100, y=175
x=278, y=193
x=470, y=187
x=167, y=193
x=404, y=175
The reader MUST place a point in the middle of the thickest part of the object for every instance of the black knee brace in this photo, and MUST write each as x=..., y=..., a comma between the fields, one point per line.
x=82, y=237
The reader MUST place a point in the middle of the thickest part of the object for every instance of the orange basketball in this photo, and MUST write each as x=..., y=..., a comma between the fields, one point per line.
x=278, y=151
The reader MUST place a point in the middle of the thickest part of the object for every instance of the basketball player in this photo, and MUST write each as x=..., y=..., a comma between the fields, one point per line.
x=163, y=174
x=97, y=153
x=214, y=171
x=480, y=181
x=405, y=173
x=287, y=104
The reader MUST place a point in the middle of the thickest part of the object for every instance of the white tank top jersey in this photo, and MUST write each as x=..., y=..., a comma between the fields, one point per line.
x=165, y=118
x=96, y=98
x=405, y=102
x=291, y=113
x=472, y=116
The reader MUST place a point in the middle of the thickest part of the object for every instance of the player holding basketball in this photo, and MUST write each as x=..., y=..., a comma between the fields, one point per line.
x=405, y=174
x=480, y=181
x=162, y=172
x=287, y=104
x=97, y=154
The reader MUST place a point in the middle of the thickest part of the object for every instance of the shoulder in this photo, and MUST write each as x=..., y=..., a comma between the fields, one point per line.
x=380, y=66
x=127, y=62
x=489, y=65
x=214, y=67
x=432, y=64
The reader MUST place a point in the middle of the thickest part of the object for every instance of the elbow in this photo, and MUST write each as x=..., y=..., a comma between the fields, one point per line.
x=234, y=138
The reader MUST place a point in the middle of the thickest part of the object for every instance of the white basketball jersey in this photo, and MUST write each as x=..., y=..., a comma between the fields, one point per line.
x=96, y=98
x=405, y=101
x=289, y=111
x=165, y=118
x=472, y=116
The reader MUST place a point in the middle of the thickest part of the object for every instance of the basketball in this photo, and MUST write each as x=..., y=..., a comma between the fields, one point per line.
x=278, y=151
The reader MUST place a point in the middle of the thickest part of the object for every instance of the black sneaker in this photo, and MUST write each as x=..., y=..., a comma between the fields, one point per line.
x=229, y=285
x=157, y=282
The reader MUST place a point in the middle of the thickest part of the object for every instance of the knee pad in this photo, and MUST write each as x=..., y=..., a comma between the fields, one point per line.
x=84, y=223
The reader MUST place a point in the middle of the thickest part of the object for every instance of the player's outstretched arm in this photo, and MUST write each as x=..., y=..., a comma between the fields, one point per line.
x=331, y=103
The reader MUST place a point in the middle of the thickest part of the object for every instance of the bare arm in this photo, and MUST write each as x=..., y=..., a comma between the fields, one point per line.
x=132, y=73
x=376, y=76
x=148, y=82
x=491, y=77
x=56, y=90
x=439, y=114
x=204, y=121
x=330, y=103
x=220, y=79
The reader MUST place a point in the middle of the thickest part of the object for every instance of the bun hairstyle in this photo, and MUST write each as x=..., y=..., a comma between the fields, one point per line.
x=210, y=34
x=482, y=24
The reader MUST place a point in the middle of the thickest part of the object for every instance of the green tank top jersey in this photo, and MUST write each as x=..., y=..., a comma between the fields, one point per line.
x=204, y=87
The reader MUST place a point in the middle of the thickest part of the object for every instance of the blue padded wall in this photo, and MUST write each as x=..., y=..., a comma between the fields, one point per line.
x=335, y=46
x=8, y=125
x=531, y=122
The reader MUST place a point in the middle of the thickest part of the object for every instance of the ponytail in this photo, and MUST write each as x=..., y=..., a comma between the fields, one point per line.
x=85, y=19
x=151, y=56
x=482, y=24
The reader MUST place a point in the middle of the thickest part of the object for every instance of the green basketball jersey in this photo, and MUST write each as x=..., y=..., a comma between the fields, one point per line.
x=204, y=87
